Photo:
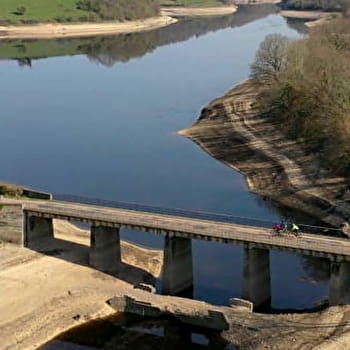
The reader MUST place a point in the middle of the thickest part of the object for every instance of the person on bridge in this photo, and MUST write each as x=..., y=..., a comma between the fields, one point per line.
x=277, y=228
x=284, y=225
x=345, y=228
x=295, y=229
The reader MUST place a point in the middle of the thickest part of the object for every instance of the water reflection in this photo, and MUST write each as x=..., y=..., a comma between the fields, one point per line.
x=108, y=50
x=298, y=24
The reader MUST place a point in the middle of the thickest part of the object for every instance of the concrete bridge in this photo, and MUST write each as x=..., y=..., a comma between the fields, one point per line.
x=25, y=222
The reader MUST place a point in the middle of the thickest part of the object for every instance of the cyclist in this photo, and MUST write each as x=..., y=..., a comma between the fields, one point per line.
x=295, y=229
x=284, y=226
x=277, y=228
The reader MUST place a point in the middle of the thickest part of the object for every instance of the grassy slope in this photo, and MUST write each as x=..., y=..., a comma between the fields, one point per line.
x=66, y=11
x=41, y=10
x=192, y=3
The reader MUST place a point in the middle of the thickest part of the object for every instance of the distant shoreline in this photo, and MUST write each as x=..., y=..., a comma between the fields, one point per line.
x=59, y=30
x=315, y=17
x=198, y=11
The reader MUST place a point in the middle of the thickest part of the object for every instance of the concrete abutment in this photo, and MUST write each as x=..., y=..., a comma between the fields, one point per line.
x=12, y=224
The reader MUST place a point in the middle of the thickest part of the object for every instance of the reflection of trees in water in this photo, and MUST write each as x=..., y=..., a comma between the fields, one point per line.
x=297, y=24
x=25, y=62
x=112, y=49
x=108, y=50
x=121, y=48
x=195, y=27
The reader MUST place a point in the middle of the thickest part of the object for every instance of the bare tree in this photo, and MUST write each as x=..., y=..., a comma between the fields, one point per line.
x=271, y=58
x=345, y=7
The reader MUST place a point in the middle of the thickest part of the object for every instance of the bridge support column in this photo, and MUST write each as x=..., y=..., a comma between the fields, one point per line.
x=256, y=276
x=105, y=248
x=339, y=284
x=36, y=229
x=177, y=266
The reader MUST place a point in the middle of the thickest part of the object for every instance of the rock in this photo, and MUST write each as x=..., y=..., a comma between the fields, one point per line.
x=242, y=303
x=146, y=287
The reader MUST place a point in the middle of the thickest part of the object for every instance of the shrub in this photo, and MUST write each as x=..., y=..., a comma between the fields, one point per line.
x=20, y=11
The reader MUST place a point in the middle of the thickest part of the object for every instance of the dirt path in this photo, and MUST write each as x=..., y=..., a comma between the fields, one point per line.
x=53, y=30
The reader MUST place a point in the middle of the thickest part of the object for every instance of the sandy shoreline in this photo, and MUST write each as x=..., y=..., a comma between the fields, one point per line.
x=274, y=167
x=45, y=293
x=315, y=18
x=53, y=30
x=58, y=30
x=198, y=11
x=305, y=14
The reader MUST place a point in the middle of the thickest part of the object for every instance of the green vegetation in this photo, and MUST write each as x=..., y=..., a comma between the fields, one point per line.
x=196, y=3
x=309, y=92
x=34, y=11
x=324, y=5
x=10, y=190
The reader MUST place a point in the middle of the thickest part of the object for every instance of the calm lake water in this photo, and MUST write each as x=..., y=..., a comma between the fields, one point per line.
x=99, y=117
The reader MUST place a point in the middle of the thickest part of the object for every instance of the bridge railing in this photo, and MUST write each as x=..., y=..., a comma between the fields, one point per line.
x=225, y=218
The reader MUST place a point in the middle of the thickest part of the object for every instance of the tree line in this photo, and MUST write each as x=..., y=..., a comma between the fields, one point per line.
x=324, y=5
x=122, y=10
x=307, y=89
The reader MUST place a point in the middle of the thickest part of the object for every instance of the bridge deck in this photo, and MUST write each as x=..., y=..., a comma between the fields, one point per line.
x=310, y=244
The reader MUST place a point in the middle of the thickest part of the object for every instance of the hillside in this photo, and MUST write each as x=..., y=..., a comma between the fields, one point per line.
x=29, y=11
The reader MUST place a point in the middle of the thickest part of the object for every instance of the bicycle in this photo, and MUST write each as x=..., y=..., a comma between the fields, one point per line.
x=285, y=231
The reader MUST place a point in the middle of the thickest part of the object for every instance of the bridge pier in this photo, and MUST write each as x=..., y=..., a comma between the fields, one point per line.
x=177, y=267
x=256, y=276
x=105, y=248
x=339, y=284
x=36, y=229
